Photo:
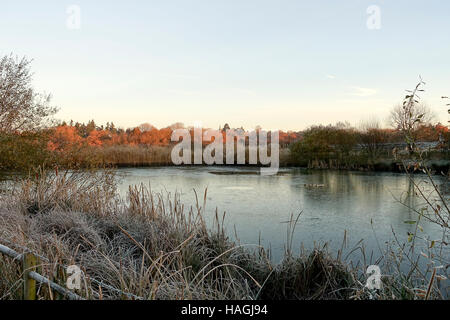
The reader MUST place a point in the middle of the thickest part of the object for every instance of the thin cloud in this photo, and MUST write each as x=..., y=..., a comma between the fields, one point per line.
x=330, y=76
x=183, y=92
x=363, y=92
x=180, y=76
x=244, y=91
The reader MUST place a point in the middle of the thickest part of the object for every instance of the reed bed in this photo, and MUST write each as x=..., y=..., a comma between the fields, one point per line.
x=136, y=156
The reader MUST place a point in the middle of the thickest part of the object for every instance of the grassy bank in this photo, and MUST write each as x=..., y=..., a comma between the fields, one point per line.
x=151, y=246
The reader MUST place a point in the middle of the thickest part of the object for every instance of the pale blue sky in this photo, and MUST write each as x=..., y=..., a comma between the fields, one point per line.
x=279, y=64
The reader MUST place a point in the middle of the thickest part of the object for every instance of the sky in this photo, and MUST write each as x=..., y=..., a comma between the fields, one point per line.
x=284, y=64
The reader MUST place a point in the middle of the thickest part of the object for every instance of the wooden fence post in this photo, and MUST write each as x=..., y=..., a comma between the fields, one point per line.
x=29, y=263
x=61, y=280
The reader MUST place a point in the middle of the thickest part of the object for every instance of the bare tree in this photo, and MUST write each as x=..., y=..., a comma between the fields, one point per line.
x=21, y=107
x=176, y=125
x=447, y=104
x=410, y=115
x=403, y=117
x=146, y=127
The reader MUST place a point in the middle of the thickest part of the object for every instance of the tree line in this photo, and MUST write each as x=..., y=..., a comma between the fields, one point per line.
x=30, y=137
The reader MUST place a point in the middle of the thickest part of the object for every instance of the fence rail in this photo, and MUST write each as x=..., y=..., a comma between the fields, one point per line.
x=30, y=265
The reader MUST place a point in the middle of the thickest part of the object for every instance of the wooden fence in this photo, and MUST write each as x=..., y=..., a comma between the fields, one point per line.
x=30, y=264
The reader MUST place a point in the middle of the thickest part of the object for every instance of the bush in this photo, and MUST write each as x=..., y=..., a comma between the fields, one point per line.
x=23, y=152
x=325, y=144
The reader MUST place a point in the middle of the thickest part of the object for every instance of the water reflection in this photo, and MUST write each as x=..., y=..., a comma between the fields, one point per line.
x=362, y=204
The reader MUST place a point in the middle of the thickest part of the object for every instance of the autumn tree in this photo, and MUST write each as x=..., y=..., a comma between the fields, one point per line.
x=322, y=143
x=64, y=137
x=372, y=137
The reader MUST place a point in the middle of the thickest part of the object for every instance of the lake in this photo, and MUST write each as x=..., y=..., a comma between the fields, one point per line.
x=362, y=205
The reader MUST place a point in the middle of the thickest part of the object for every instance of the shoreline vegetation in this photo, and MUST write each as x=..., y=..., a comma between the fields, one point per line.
x=151, y=246
x=137, y=156
x=337, y=147
x=158, y=156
